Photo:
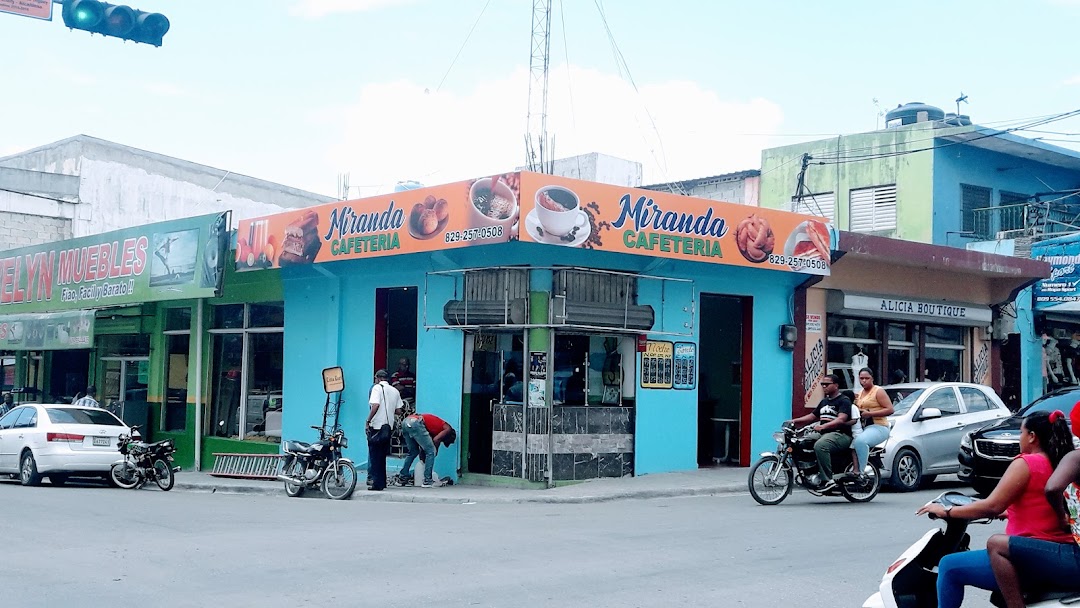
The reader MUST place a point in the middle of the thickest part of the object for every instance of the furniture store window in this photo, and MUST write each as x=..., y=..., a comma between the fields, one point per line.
x=177, y=351
x=247, y=367
x=944, y=353
x=873, y=209
x=853, y=344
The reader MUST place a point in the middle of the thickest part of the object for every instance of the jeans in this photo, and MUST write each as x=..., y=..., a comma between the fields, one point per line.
x=871, y=436
x=417, y=438
x=829, y=444
x=971, y=568
x=377, y=452
x=1043, y=564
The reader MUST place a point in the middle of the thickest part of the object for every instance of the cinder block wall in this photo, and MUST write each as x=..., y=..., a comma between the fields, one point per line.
x=22, y=229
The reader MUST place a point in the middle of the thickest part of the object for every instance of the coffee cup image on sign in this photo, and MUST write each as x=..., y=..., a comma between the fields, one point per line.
x=173, y=258
x=558, y=211
x=493, y=203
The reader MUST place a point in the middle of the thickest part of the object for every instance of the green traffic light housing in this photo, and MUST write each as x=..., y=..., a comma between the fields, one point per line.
x=115, y=20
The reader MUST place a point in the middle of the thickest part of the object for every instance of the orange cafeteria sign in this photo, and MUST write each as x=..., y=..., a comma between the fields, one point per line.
x=542, y=209
x=38, y=9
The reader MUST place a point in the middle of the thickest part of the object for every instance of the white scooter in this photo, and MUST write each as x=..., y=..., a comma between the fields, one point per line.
x=911, y=580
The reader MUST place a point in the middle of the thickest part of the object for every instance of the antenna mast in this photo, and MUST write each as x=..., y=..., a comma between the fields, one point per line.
x=536, y=141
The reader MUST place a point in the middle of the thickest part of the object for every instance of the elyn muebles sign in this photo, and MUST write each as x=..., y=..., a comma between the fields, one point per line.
x=164, y=261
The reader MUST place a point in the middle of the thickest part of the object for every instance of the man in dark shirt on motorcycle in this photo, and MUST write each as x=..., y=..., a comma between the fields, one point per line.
x=832, y=416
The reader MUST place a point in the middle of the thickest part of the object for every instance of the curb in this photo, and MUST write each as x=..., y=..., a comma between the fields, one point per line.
x=530, y=496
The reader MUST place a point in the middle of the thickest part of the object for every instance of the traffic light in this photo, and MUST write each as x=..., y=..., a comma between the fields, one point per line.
x=114, y=20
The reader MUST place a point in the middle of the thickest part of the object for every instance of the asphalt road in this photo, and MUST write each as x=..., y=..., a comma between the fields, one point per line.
x=97, y=546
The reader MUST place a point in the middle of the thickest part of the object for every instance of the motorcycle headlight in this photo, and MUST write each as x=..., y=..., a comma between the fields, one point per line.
x=778, y=437
x=965, y=441
x=344, y=442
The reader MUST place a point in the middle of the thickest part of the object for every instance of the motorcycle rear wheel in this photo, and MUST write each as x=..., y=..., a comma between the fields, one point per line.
x=339, y=481
x=763, y=488
x=123, y=475
x=293, y=490
x=864, y=491
x=163, y=475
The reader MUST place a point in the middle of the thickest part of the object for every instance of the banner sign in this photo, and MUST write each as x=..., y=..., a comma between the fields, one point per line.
x=1060, y=292
x=38, y=9
x=165, y=261
x=542, y=209
x=47, y=331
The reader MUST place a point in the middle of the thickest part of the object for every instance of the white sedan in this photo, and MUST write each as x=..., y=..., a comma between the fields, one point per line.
x=930, y=420
x=58, y=441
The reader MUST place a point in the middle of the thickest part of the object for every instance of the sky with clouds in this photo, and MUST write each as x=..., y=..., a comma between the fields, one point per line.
x=300, y=91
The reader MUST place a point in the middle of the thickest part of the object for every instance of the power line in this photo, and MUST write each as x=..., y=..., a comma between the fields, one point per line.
x=840, y=159
x=469, y=35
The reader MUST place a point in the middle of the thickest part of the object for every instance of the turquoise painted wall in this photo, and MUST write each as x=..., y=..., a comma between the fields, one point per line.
x=330, y=311
x=956, y=165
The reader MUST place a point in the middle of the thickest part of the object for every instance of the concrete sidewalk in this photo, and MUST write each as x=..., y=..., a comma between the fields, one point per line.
x=702, y=482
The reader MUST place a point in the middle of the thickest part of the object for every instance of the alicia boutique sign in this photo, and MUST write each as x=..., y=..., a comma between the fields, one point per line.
x=885, y=307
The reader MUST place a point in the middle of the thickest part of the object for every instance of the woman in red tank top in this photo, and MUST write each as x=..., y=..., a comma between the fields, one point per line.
x=1041, y=565
x=1020, y=494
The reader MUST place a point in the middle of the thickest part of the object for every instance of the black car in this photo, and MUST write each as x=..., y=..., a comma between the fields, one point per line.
x=987, y=452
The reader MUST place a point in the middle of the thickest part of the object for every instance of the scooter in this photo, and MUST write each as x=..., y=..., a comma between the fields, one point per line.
x=911, y=580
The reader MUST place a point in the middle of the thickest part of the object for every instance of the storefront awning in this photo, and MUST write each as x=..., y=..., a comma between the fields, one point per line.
x=930, y=272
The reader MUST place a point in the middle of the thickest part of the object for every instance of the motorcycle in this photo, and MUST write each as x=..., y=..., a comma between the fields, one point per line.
x=144, y=462
x=311, y=465
x=773, y=477
x=911, y=580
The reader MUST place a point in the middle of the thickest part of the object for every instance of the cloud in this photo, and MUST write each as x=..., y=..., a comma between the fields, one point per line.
x=314, y=9
x=166, y=89
x=1072, y=81
x=398, y=131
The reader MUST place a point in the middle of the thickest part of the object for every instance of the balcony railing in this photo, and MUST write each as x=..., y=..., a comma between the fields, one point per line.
x=1040, y=219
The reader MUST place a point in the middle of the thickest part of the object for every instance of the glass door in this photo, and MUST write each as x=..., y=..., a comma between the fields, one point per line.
x=126, y=379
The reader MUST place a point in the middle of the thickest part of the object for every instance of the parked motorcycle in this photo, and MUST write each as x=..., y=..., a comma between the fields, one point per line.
x=309, y=466
x=144, y=462
x=773, y=477
x=911, y=580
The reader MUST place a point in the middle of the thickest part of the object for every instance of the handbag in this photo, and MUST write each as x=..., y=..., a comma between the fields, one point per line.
x=382, y=433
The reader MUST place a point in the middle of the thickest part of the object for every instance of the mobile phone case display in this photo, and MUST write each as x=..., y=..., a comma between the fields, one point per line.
x=657, y=365
x=685, y=365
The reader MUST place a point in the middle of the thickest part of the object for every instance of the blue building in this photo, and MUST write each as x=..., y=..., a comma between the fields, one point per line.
x=618, y=331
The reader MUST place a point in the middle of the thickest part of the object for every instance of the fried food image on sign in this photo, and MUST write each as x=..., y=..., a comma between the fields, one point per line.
x=755, y=239
x=301, y=243
x=817, y=247
x=426, y=217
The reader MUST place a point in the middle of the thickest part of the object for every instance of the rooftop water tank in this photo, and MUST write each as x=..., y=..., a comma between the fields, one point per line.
x=957, y=120
x=911, y=113
x=407, y=185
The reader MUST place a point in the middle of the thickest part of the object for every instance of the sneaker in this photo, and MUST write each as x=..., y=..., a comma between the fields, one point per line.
x=828, y=487
x=428, y=484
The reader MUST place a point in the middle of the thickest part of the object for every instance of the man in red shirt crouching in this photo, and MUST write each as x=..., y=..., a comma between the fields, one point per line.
x=424, y=432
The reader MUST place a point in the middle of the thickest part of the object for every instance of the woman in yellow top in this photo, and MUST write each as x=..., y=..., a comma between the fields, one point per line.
x=874, y=405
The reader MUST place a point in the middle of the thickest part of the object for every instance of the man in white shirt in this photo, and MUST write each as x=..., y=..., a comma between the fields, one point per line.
x=88, y=400
x=385, y=402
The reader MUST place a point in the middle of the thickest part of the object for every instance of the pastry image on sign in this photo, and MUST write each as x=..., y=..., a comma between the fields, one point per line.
x=755, y=238
x=429, y=218
x=301, y=243
x=809, y=240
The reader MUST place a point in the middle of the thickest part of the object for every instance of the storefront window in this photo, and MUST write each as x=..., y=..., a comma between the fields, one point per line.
x=900, y=363
x=247, y=370
x=944, y=353
x=177, y=348
x=853, y=345
x=589, y=370
x=178, y=319
x=7, y=373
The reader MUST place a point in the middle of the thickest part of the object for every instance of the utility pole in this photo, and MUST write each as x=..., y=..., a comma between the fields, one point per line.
x=536, y=140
